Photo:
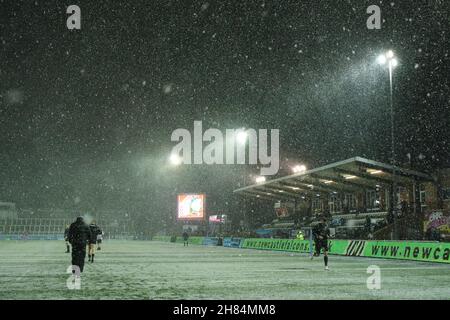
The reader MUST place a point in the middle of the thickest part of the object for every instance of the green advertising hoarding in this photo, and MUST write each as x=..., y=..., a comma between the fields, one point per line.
x=292, y=245
x=161, y=238
x=277, y=244
x=192, y=240
x=405, y=250
x=408, y=250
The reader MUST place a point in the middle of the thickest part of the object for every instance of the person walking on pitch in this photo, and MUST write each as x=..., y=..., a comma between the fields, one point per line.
x=66, y=238
x=185, y=239
x=79, y=234
x=95, y=231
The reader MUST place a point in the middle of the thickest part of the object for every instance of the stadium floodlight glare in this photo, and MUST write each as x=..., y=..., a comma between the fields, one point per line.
x=299, y=168
x=394, y=62
x=241, y=137
x=390, y=54
x=388, y=57
x=382, y=59
x=260, y=179
x=175, y=159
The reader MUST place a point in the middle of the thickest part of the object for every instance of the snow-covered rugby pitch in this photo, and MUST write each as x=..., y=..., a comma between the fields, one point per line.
x=156, y=270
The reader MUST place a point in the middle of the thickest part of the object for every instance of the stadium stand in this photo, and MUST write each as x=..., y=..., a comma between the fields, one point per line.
x=356, y=195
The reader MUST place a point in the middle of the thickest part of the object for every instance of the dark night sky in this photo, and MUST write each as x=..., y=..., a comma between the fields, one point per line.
x=86, y=116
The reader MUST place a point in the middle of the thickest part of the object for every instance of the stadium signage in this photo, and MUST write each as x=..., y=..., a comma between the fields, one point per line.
x=191, y=207
x=438, y=220
x=404, y=250
x=232, y=242
x=277, y=244
x=234, y=145
x=355, y=248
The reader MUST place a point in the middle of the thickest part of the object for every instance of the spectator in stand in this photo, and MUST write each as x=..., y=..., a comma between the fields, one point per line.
x=390, y=217
x=436, y=234
x=403, y=209
x=428, y=234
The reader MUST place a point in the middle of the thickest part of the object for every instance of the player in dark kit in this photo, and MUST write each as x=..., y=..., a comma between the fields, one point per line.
x=99, y=240
x=185, y=238
x=321, y=234
x=95, y=231
x=66, y=238
x=79, y=234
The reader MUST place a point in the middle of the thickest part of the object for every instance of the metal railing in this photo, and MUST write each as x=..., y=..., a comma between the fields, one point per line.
x=113, y=229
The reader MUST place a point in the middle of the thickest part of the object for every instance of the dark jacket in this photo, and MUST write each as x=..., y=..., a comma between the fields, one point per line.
x=185, y=236
x=79, y=233
x=95, y=230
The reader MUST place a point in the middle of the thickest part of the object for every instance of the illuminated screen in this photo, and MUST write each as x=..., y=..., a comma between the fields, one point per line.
x=191, y=206
x=215, y=219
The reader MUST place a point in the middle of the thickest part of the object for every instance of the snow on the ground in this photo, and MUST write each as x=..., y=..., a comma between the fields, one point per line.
x=155, y=270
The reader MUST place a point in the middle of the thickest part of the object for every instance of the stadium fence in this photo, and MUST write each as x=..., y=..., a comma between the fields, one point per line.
x=53, y=228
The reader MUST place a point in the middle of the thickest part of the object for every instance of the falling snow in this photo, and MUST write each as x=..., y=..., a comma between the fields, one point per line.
x=96, y=107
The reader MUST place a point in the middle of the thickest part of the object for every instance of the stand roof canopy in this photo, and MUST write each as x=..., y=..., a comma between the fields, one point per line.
x=347, y=176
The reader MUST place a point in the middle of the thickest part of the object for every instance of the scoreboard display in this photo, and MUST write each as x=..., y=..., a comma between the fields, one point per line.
x=191, y=207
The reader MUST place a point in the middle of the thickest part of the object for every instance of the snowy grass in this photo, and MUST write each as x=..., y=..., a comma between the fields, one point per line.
x=157, y=270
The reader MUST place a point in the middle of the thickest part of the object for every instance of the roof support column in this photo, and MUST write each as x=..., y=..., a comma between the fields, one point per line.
x=392, y=211
x=326, y=205
x=417, y=208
